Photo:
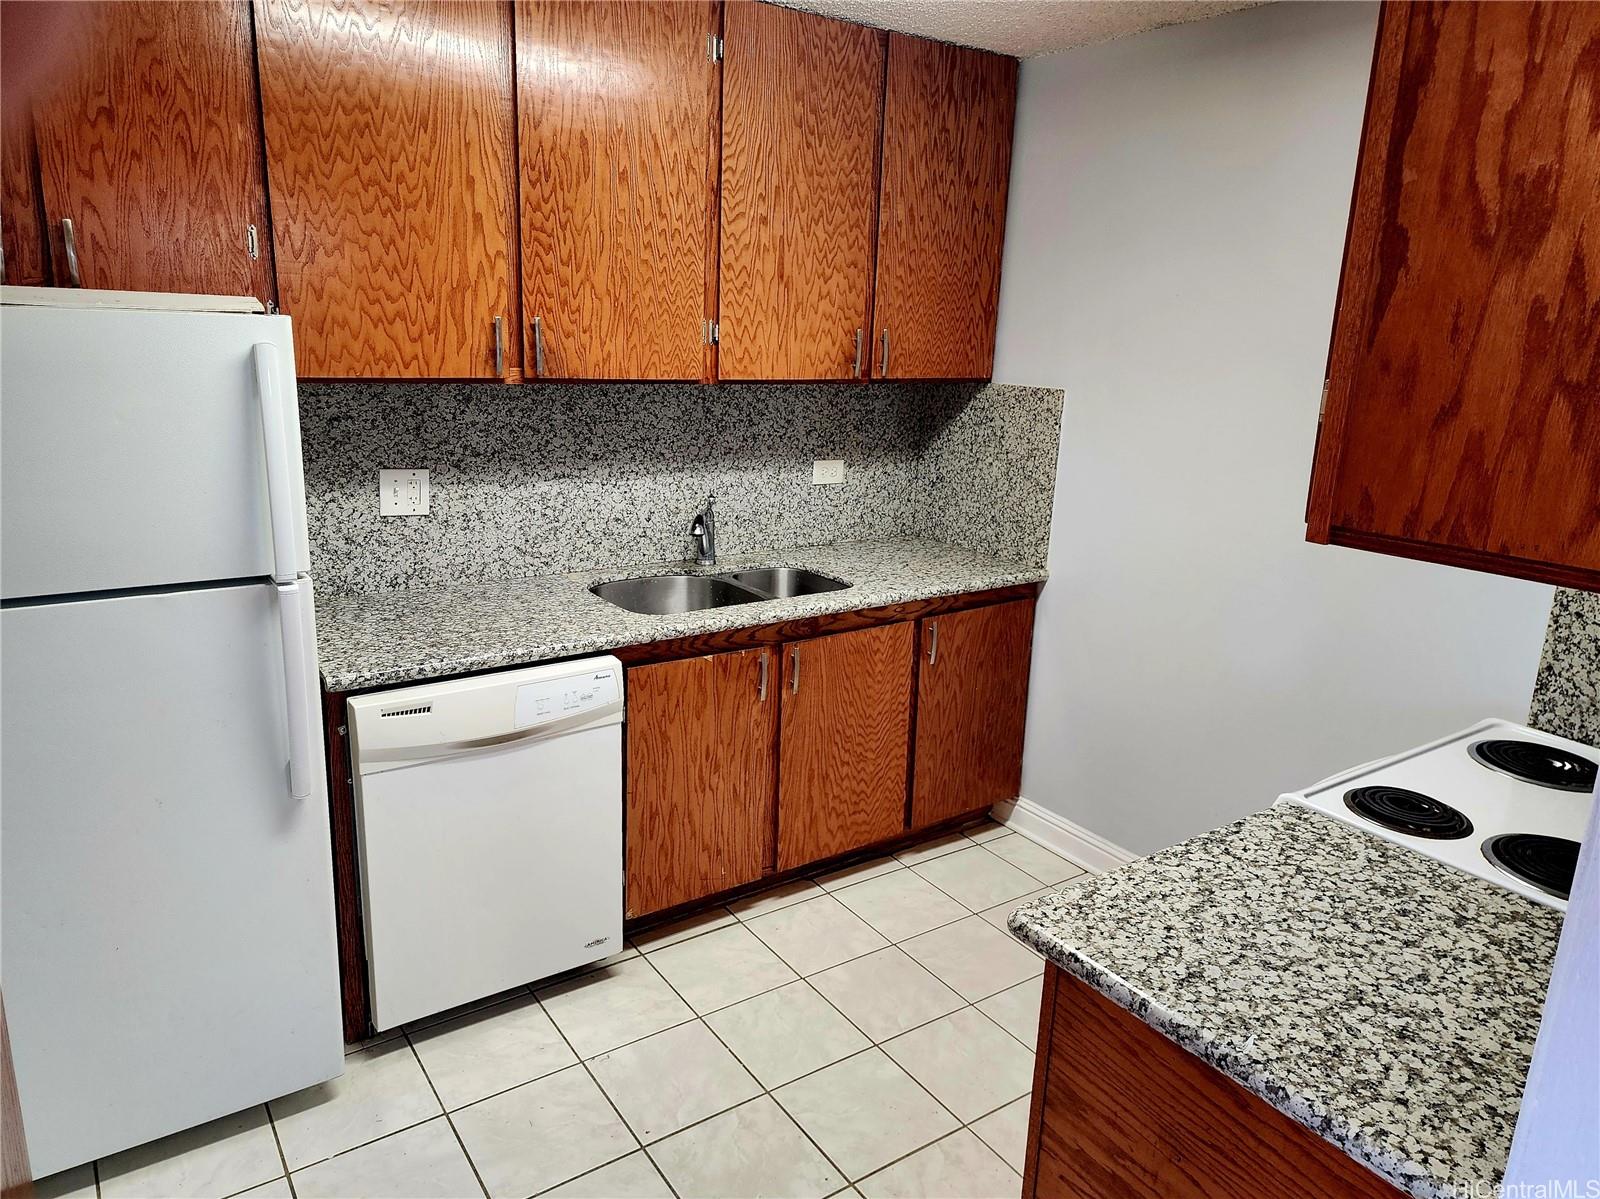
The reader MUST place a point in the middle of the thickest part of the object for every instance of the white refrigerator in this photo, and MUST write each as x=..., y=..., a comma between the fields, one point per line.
x=167, y=945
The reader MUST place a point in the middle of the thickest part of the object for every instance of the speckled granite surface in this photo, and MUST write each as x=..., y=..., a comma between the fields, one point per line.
x=387, y=637
x=1382, y=999
x=1566, y=693
x=540, y=479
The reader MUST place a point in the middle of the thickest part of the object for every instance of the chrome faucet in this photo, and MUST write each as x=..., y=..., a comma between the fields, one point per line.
x=704, y=531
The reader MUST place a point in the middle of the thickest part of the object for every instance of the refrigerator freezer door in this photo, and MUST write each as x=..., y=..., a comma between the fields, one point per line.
x=166, y=904
x=134, y=454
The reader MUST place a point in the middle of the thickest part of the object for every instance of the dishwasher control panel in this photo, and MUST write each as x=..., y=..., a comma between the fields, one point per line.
x=554, y=699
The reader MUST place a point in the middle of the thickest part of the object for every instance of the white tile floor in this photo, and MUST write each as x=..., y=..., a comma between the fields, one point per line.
x=870, y=1029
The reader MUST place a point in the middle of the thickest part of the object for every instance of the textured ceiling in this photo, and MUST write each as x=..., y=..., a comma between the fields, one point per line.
x=1021, y=27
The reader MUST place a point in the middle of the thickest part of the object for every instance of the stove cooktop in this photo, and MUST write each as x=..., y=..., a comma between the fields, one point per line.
x=1500, y=801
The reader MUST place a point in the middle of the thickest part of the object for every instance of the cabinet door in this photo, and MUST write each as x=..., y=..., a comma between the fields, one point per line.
x=26, y=251
x=700, y=777
x=845, y=736
x=390, y=154
x=149, y=146
x=1462, y=418
x=801, y=112
x=972, y=703
x=941, y=224
x=617, y=119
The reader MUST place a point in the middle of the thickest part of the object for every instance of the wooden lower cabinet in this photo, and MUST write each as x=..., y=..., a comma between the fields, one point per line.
x=701, y=736
x=763, y=760
x=1120, y=1112
x=844, y=740
x=972, y=703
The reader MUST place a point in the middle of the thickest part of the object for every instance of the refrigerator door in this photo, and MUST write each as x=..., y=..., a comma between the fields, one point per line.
x=166, y=903
x=135, y=449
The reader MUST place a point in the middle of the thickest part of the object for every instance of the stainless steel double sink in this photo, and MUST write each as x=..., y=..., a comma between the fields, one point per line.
x=666, y=595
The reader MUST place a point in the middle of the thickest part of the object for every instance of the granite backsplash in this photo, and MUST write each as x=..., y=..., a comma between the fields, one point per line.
x=1566, y=691
x=537, y=479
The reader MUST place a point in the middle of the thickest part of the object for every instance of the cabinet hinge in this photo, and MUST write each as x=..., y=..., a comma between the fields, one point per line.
x=252, y=242
x=713, y=47
x=713, y=333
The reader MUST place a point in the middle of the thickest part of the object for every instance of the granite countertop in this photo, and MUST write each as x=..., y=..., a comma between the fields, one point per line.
x=1386, y=1001
x=380, y=638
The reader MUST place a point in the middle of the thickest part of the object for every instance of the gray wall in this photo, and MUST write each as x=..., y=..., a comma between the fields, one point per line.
x=541, y=479
x=1177, y=217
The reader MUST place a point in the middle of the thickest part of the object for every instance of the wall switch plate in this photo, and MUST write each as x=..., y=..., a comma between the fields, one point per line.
x=402, y=493
x=827, y=470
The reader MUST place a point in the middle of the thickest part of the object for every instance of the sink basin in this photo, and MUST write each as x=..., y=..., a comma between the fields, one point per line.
x=781, y=582
x=665, y=595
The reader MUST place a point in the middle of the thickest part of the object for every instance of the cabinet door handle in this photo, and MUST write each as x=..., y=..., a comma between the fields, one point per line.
x=933, y=642
x=883, y=361
x=794, y=675
x=500, y=346
x=761, y=687
x=856, y=371
x=538, y=345
x=69, y=241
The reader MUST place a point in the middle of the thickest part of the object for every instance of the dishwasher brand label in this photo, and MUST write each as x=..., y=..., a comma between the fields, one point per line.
x=553, y=699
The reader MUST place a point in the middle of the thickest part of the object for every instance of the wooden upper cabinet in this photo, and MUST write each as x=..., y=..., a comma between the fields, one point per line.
x=390, y=151
x=1462, y=417
x=802, y=103
x=26, y=251
x=947, y=120
x=972, y=705
x=617, y=109
x=149, y=149
x=843, y=742
x=701, y=784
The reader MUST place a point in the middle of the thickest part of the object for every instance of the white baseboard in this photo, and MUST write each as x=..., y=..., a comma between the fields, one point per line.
x=1055, y=832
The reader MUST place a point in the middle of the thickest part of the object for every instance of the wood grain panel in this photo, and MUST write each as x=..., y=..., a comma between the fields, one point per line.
x=617, y=108
x=802, y=101
x=972, y=705
x=947, y=121
x=149, y=143
x=390, y=147
x=1120, y=1112
x=701, y=777
x=349, y=923
x=843, y=743
x=15, y=1175
x=1463, y=405
x=23, y=47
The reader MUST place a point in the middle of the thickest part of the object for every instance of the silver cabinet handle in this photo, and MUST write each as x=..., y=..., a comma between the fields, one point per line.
x=856, y=373
x=761, y=687
x=538, y=345
x=933, y=642
x=252, y=242
x=500, y=346
x=883, y=361
x=794, y=678
x=69, y=240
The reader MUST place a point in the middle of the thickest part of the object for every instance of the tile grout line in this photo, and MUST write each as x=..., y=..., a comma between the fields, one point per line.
x=283, y=1159
x=451, y=1124
x=639, y=1145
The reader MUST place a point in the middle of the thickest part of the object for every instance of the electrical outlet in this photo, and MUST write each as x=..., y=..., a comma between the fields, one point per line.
x=402, y=493
x=827, y=470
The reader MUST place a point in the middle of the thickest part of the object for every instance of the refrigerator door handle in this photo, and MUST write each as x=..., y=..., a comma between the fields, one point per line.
x=280, y=501
x=297, y=685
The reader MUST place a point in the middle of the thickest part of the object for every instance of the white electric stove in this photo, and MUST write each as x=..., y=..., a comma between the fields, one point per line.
x=1498, y=800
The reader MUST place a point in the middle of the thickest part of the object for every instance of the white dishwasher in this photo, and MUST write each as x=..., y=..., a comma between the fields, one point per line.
x=489, y=820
